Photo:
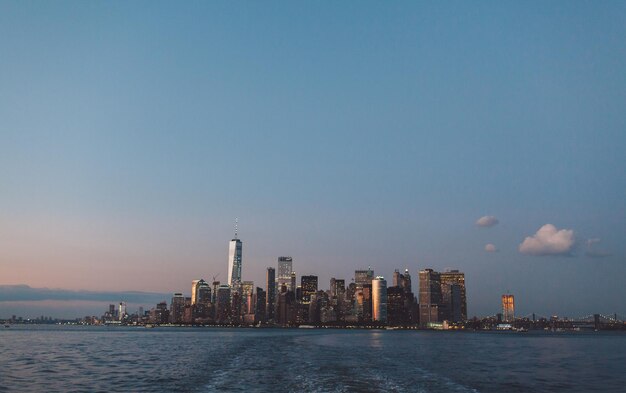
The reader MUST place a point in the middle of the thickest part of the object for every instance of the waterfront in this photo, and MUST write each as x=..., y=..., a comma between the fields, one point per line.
x=60, y=358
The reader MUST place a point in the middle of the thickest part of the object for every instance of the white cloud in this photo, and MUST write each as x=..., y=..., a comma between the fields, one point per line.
x=487, y=221
x=490, y=247
x=548, y=241
x=593, y=251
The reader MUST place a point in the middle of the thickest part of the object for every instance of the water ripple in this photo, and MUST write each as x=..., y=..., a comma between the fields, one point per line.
x=92, y=359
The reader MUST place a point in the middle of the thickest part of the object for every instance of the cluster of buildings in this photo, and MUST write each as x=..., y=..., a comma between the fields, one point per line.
x=366, y=299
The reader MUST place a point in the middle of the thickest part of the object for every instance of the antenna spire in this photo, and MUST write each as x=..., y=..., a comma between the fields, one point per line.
x=236, y=222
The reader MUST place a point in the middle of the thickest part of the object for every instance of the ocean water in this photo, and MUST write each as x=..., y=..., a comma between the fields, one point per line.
x=116, y=359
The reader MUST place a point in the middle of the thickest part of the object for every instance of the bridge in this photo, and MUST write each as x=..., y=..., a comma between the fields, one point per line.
x=597, y=321
x=591, y=321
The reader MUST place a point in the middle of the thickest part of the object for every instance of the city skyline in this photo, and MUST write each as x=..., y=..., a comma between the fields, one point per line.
x=482, y=137
x=448, y=286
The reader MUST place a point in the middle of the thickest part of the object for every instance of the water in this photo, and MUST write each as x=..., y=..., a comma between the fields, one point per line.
x=105, y=359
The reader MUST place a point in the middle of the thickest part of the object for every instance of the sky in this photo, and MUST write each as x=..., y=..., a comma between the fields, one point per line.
x=486, y=136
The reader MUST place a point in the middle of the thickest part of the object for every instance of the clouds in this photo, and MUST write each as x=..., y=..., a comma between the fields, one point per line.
x=489, y=247
x=548, y=241
x=26, y=293
x=593, y=251
x=487, y=221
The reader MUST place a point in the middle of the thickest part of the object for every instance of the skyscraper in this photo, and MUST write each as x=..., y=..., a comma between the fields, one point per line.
x=397, y=311
x=362, y=277
x=285, y=268
x=160, y=314
x=363, y=302
x=122, y=311
x=198, y=286
x=261, y=305
x=177, y=308
x=222, y=304
x=397, y=278
x=194, y=284
x=292, y=283
x=379, y=299
x=402, y=280
x=407, y=282
x=234, y=263
x=508, y=308
x=271, y=293
x=337, y=287
x=203, y=293
x=453, y=295
x=429, y=296
x=247, y=288
x=286, y=307
x=216, y=285
x=309, y=287
x=200, y=299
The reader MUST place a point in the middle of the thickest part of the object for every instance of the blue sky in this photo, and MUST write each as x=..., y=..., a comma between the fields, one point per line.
x=344, y=134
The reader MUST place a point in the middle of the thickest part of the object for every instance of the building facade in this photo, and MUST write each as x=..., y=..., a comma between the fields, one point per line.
x=379, y=299
x=309, y=287
x=283, y=274
x=223, y=304
x=235, y=249
x=362, y=277
x=429, y=297
x=508, y=308
x=200, y=288
x=270, y=294
x=177, y=308
x=402, y=280
x=453, y=295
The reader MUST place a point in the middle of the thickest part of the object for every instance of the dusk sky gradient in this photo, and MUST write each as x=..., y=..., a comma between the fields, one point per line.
x=344, y=134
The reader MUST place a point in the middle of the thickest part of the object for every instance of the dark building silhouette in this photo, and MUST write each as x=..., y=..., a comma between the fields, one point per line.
x=397, y=313
x=286, y=309
x=261, y=305
x=159, y=314
x=177, y=307
x=309, y=287
x=222, y=305
x=429, y=297
x=453, y=296
x=236, y=303
x=351, y=292
x=314, y=308
x=201, y=300
x=363, y=302
x=362, y=277
x=270, y=294
x=337, y=287
x=402, y=280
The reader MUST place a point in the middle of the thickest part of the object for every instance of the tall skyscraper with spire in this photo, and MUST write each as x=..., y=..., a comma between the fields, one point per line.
x=234, y=261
